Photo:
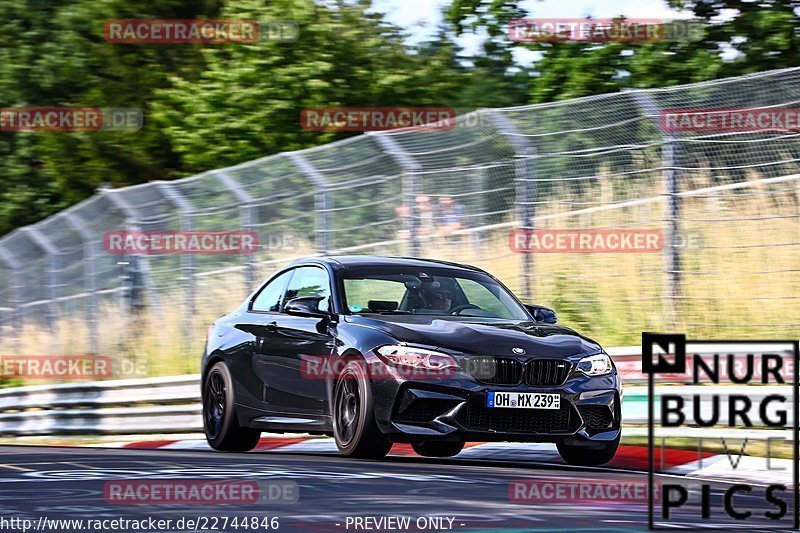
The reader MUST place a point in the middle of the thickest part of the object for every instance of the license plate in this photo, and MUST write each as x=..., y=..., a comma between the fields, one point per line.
x=524, y=400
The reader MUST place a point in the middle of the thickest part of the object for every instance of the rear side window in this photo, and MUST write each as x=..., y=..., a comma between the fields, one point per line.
x=309, y=281
x=269, y=299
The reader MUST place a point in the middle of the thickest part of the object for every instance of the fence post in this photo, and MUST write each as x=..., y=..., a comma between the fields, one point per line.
x=140, y=277
x=139, y=267
x=89, y=277
x=52, y=281
x=525, y=187
x=674, y=261
x=19, y=311
x=248, y=218
x=134, y=272
x=672, y=250
x=323, y=204
x=185, y=210
x=6, y=281
x=15, y=295
x=411, y=168
x=478, y=238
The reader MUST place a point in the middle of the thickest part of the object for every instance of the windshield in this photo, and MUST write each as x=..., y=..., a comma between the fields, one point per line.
x=434, y=291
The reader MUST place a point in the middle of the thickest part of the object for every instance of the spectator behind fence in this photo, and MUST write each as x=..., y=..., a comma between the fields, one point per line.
x=439, y=219
x=427, y=223
x=451, y=216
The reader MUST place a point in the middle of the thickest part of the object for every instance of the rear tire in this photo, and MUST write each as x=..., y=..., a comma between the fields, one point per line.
x=587, y=456
x=438, y=448
x=353, y=414
x=220, y=424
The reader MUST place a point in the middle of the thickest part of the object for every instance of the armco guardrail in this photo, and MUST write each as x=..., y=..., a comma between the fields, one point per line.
x=153, y=405
x=172, y=405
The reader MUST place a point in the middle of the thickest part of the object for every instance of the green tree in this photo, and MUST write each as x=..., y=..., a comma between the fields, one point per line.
x=736, y=38
x=52, y=54
x=247, y=102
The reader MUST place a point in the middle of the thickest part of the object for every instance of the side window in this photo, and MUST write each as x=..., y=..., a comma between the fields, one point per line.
x=309, y=281
x=269, y=299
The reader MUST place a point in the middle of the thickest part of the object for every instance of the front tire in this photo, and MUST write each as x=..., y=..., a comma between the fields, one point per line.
x=438, y=448
x=220, y=424
x=353, y=414
x=587, y=456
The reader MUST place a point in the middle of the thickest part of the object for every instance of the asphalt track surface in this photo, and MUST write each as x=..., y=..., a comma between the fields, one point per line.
x=45, y=484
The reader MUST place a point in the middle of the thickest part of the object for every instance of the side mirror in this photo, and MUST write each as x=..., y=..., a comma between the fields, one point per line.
x=306, y=306
x=542, y=314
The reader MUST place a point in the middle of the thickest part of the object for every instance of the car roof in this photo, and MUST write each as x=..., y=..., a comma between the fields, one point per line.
x=347, y=261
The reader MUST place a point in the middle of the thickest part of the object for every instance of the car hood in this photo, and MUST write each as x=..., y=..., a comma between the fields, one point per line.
x=483, y=338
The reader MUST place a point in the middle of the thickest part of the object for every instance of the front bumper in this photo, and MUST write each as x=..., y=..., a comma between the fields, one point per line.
x=455, y=409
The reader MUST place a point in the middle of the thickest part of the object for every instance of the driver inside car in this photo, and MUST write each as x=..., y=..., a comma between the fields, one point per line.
x=440, y=300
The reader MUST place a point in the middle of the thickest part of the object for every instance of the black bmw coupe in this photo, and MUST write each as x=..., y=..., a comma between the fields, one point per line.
x=376, y=350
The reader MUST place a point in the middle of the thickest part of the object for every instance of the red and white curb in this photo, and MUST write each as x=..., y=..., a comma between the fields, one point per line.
x=670, y=461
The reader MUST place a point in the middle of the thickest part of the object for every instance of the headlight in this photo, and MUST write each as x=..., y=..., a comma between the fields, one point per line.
x=596, y=365
x=411, y=357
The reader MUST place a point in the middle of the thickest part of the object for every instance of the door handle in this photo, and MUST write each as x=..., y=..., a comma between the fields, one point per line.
x=272, y=326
